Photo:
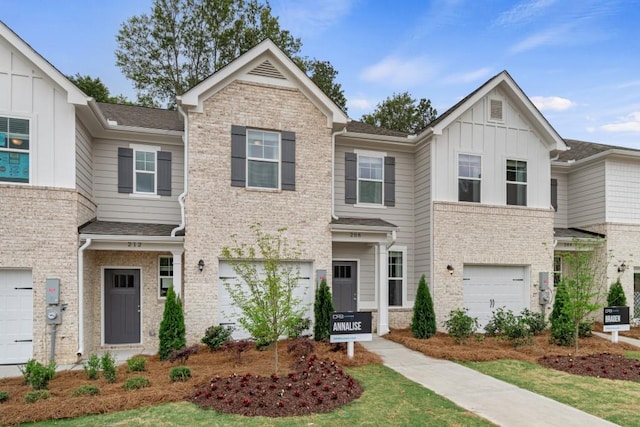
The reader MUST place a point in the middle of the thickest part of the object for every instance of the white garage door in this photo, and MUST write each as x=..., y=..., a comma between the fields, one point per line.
x=228, y=313
x=488, y=287
x=16, y=316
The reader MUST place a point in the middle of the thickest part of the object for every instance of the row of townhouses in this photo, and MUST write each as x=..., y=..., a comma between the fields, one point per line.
x=105, y=206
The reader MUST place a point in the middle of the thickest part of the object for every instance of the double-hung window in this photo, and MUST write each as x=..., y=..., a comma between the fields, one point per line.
x=145, y=171
x=263, y=159
x=396, y=278
x=557, y=270
x=14, y=150
x=516, y=182
x=469, y=177
x=165, y=275
x=370, y=179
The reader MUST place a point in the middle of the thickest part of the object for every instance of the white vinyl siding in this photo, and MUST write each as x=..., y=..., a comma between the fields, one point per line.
x=586, y=190
x=84, y=161
x=560, y=219
x=623, y=191
x=114, y=206
x=422, y=246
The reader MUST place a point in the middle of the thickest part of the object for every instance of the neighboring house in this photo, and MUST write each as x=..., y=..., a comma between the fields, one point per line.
x=116, y=203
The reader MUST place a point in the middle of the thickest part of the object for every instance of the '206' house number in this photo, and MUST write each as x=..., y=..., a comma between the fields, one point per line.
x=134, y=244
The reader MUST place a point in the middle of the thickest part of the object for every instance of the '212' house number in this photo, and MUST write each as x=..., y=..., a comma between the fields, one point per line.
x=134, y=244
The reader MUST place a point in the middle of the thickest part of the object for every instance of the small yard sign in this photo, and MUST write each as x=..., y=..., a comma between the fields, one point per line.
x=351, y=327
x=616, y=319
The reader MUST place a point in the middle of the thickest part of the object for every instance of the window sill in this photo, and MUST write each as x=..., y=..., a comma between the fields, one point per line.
x=369, y=205
x=144, y=196
x=263, y=190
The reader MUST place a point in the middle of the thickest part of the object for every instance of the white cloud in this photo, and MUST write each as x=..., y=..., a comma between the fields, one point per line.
x=523, y=12
x=310, y=17
x=552, y=103
x=552, y=36
x=468, y=77
x=399, y=72
x=359, y=104
x=630, y=123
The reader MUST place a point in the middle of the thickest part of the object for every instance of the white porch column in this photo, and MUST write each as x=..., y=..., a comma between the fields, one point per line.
x=177, y=271
x=383, y=290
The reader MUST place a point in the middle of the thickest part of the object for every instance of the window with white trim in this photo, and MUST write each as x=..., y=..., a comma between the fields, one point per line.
x=14, y=150
x=165, y=275
x=469, y=177
x=397, y=277
x=516, y=182
x=370, y=179
x=145, y=171
x=263, y=159
x=557, y=270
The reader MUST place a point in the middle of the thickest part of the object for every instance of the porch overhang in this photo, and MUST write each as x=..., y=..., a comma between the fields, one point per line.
x=126, y=236
x=362, y=230
x=575, y=239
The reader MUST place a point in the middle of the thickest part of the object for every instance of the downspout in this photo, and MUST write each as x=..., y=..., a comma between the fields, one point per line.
x=81, y=250
x=183, y=195
x=333, y=170
x=393, y=239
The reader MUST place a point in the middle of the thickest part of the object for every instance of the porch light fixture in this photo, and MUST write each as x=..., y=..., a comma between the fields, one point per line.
x=622, y=267
x=450, y=269
x=201, y=265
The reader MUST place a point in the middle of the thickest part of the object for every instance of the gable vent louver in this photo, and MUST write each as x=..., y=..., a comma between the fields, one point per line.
x=266, y=69
x=495, y=110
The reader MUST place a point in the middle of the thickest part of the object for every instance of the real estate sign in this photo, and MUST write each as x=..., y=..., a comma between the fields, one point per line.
x=351, y=326
x=615, y=319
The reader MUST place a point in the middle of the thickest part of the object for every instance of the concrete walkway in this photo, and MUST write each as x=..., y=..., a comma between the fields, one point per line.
x=499, y=402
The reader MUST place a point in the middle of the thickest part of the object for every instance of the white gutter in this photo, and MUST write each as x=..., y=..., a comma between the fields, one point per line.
x=182, y=196
x=333, y=170
x=87, y=243
x=393, y=239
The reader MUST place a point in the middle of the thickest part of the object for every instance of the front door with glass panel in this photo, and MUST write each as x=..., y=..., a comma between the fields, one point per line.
x=344, y=289
x=121, y=306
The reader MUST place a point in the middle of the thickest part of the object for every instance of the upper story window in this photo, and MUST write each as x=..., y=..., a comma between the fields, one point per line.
x=516, y=182
x=144, y=170
x=14, y=150
x=165, y=275
x=145, y=176
x=263, y=159
x=370, y=173
x=469, y=177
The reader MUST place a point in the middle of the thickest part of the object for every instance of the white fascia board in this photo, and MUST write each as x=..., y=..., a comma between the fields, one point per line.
x=614, y=152
x=128, y=238
x=369, y=228
x=74, y=95
x=236, y=69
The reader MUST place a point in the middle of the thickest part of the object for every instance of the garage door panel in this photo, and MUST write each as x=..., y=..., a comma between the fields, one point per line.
x=16, y=316
x=228, y=314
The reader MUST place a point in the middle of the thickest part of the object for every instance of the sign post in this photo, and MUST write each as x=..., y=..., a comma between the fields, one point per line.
x=350, y=327
x=615, y=319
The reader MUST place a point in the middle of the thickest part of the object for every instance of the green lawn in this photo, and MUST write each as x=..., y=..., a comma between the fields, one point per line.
x=616, y=401
x=389, y=399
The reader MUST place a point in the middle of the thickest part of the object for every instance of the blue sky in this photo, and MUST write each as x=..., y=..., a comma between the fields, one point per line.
x=578, y=60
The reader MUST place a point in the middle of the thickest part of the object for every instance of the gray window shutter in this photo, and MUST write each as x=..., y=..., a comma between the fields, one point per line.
x=164, y=173
x=389, y=181
x=288, y=161
x=554, y=194
x=238, y=156
x=350, y=178
x=125, y=170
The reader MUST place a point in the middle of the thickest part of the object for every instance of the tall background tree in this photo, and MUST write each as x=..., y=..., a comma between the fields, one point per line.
x=181, y=42
x=95, y=88
x=403, y=113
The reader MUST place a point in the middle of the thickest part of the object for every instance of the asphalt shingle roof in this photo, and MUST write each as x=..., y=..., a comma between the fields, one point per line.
x=369, y=222
x=144, y=117
x=579, y=150
x=127, y=229
x=575, y=233
x=360, y=127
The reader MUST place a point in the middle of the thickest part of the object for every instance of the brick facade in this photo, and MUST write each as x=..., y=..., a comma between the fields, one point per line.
x=215, y=209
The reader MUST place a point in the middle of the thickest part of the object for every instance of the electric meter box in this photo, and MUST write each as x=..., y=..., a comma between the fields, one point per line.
x=54, y=315
x=52, y=291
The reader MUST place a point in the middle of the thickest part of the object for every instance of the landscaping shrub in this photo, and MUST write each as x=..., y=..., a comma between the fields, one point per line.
x=38, y=375
x=298, y=327
x=172, y=333
x=180, y=373
x=497, y=324
x=423, y=323
x=34, y=396
x=535, y=321
x=322, y=309
x=92, y=367
x=585, y=329
x=237, y=347
x=137, y=364
x=517, y=331
x=4, y=396
x=108, y=365
x=85, y=390
x=460, y=325
x=616, y=296
x=562, y=330
x=136, y=383
x=215, y=336
x=183, y=354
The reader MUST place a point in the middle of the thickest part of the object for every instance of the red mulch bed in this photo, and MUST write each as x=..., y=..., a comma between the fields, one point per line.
x=601, y=365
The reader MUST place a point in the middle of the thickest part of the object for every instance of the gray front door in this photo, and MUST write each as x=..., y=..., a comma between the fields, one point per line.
x=121, y=306
x=345, y=289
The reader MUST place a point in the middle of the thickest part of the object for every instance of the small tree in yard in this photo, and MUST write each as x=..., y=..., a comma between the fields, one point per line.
x=583, y=284
x=423, y=323
x=322, y=309
x=265, y=294
x=616, y=297
x=172, y=333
